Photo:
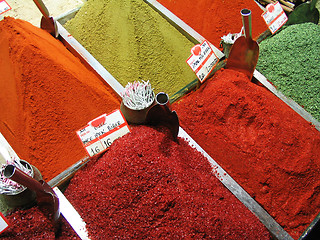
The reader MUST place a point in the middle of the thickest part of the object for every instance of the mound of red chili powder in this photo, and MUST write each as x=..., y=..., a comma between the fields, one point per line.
x=148, y=186
x=261, y=142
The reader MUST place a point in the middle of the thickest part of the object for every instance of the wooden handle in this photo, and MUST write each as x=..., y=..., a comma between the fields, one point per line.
x=285, y=8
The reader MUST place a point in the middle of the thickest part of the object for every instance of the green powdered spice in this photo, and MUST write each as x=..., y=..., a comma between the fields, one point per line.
x=134, y=42
x=291, y=61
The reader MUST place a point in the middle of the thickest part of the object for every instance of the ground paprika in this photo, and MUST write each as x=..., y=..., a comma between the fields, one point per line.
x=270, y=150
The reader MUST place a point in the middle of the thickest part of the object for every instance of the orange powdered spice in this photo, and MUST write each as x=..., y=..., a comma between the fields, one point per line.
x=47, y=94
x=216, y=18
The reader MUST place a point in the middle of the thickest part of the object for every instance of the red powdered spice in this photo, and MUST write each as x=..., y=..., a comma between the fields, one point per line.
x=28, y=224
x=261, y=142
x=148, y=186
x=33, y=224
x=46, y=95
x=216, y=18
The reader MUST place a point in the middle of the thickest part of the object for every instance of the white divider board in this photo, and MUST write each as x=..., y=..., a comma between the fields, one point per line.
x=71, y=215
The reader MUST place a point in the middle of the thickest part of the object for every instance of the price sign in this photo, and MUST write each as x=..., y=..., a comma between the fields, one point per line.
x=100, y=133
x=274, y=16
x=202, y=60
x=4, y=224
x=4, y=6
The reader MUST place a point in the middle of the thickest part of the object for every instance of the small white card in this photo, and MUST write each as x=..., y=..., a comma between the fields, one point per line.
x=4, y=224
x=100, y=133
x=274, y=16
x=202, y=60
x=4, y=6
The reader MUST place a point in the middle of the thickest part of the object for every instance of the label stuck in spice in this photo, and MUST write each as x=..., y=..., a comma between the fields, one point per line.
x=4, y=6
x=4, y=224
x=274, y=17
x=100, y=133
x=202, y=60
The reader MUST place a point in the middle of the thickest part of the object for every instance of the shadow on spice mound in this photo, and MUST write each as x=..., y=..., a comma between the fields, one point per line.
x=270, y=150
x=47, y=94
x=147, y=186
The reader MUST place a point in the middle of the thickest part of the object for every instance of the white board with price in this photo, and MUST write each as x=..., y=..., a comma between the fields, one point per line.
x=202, y=60
x=4, y=6
x=100, y=133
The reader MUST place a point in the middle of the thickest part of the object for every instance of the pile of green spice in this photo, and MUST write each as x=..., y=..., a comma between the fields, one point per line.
x=291, y=61
x=134, y=42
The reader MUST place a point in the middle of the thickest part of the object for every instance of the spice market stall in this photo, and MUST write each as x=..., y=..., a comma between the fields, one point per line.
x=46, y=230
x=158, y=194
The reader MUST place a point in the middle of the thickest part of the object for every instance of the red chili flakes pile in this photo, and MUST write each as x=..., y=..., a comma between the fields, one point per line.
x=148, y=186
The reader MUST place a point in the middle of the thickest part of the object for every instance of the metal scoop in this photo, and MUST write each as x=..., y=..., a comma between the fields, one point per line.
x=47, y=199
x=244, y=53
x=47, y=23
x=161, y=114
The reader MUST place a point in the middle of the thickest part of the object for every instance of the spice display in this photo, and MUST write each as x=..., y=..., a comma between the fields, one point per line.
x=148, y=186
x=270, y=150
x=215, y=18
x=290, y=59
x=47, y=94
x=134, y=43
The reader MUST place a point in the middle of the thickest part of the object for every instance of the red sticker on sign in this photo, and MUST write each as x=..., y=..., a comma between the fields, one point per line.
x=98, y=121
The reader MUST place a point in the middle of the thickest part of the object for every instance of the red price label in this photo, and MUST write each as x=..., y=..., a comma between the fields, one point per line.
x=202, y=60
x=100, y=133
x=274, y=16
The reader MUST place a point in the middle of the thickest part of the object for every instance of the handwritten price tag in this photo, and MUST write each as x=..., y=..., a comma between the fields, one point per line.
x=202, y=60
x=4, y=6
x=100, y=133
x=4, y=224
x=274, y=17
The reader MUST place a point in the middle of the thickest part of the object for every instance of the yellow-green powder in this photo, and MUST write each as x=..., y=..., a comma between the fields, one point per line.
x=134, y=42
